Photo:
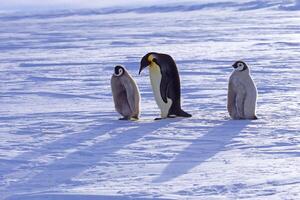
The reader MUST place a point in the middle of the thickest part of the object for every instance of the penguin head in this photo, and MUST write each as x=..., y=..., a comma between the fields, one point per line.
x=147, y=60
x=240, y=66
x=119, y=70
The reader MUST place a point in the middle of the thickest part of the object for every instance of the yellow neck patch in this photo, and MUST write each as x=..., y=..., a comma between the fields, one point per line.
x=150, y=58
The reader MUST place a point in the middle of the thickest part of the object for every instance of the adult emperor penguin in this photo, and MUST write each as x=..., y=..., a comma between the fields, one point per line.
x=165, y=83
x=242, y=93
x=126, y=94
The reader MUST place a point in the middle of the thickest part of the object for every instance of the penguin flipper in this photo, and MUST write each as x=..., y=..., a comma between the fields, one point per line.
x=131, y=96
x=240, y=103
x=231, y=101
x=164, y=87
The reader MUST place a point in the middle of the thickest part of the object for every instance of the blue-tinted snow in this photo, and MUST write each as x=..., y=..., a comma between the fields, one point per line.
x=59, y=133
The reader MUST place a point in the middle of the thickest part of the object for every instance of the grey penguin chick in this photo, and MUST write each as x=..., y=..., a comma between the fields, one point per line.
x=242, y=93
x=125, y=93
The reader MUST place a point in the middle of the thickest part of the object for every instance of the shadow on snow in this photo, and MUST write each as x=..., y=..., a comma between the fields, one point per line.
x=202, y=149
x=61, y=170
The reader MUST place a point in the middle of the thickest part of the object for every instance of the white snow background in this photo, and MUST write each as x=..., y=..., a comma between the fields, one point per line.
x=59, y=133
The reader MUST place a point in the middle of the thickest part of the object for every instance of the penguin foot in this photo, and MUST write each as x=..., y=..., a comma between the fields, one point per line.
x=134, y=118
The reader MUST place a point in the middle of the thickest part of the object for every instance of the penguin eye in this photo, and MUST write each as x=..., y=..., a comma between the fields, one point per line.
x=240, y=65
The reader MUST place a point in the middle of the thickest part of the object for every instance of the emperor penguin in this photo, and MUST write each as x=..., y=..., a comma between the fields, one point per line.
x=242, y=93
x=165, y=83
x=125, y=93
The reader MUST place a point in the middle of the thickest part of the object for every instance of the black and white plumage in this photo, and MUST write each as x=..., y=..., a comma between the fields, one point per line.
x=242, y=93
x=165, y=83
x=125, y=93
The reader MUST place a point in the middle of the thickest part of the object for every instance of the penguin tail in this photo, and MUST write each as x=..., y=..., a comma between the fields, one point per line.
x=182, y=113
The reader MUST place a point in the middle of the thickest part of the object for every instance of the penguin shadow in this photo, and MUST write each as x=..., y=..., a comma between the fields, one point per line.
x=70, y=139
x=202, y=149
x=62, y=170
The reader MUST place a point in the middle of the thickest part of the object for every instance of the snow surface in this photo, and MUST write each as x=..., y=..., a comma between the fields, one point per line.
x=59, y=133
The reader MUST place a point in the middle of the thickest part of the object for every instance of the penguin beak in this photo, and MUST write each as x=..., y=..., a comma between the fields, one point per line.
x=144, y=63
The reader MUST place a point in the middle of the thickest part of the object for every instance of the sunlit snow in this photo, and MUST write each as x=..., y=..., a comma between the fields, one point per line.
x=59, y=133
